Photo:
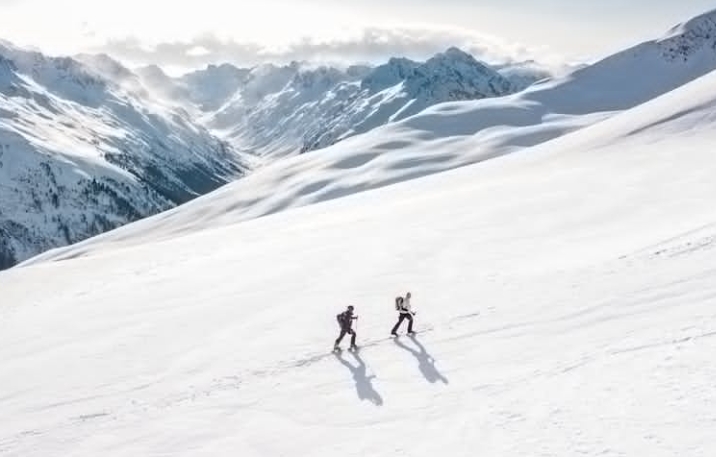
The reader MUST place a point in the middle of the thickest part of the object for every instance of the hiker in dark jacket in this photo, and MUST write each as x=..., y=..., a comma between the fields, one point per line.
x=402, y=305
x=345, y=320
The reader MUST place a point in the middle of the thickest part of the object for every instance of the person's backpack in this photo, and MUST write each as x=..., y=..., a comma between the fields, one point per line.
x=398, y=303
x=343, y=319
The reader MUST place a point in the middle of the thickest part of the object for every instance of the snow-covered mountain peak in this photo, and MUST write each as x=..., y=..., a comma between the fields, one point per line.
x=322, y=77
x=210, y=87
x=215, y=74
x=389, y=74
x=259, y=83
x=283, y=110
x=64, y=76
x=703, y=22
x=152, y=70
x=270, y=69
x=455, y=59
x=451, y=67
x=460, y=76
x=88, y=151
x=224, y=68
x=170, y=90
x=637, y=74
x=358, y=71
x=453, y=56
x=694, y=39
x=106, y=66
x=109, y=69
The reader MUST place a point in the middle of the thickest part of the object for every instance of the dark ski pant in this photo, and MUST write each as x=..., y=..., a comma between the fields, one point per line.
x=348, y=331
x=402, y=317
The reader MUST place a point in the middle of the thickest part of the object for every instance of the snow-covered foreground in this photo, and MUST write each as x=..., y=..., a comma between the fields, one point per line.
x=568, y=291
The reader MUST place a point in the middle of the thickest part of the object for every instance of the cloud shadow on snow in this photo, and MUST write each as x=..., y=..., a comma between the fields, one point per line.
x=426, y=362
x=364, y=383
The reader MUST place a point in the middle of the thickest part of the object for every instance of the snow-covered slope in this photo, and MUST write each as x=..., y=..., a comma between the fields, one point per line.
x=84, y=149
x=637, y=74
x=278, y=111
x=565, y=293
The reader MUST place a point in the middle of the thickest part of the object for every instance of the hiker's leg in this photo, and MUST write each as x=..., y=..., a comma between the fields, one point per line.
x=400, y=321
x=340, y=337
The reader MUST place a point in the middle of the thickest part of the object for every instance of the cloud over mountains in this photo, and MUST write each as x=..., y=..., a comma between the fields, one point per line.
x=367, y=45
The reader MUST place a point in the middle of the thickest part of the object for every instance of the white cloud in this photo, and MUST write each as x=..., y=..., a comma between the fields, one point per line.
x=365, y=45
x=198, y=51
x=252, y=31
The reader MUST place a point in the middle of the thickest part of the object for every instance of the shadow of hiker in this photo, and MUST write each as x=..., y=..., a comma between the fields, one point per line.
x=426, y=362
x=364, y=384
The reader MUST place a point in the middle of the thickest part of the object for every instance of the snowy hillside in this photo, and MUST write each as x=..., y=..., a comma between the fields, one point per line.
x=84, y=149
x=280, y=110
x=564, y=292
x=639, y=73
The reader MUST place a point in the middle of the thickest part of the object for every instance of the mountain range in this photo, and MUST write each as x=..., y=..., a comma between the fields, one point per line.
x=84, y=148
x=454, y=134
x=88, y=145
x=274, y=111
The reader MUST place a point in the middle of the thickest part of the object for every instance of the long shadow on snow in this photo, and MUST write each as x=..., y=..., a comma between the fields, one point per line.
x=364, y=384
x=426, y=362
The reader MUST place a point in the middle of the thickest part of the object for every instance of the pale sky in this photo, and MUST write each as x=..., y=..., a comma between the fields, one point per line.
x=188, y=33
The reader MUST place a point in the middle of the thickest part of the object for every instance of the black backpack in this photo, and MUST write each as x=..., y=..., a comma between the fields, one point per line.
x=398, y=303
x=343, y=319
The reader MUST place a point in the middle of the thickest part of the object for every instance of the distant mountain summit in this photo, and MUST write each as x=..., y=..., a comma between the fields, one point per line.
x=84, y=148
x=282, y=110
x=692, y=39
